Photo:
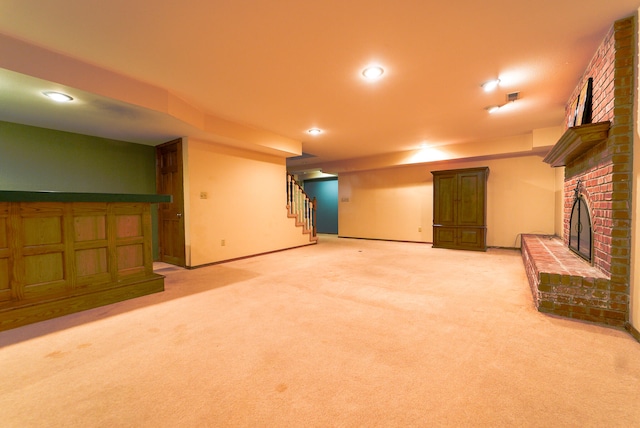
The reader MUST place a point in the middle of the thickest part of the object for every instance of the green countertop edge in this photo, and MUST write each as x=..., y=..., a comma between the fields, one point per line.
x=46, y=196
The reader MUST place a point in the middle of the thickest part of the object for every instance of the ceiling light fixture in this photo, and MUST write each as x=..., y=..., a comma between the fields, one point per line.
x=373, y=72
x=493, y=109
x=490, y=85
x=58, y=96
x=314, y=131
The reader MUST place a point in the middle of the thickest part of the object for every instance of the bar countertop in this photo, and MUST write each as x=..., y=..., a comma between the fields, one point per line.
x=52, y=196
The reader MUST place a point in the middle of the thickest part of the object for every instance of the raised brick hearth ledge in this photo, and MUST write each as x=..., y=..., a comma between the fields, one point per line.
x=564, y=284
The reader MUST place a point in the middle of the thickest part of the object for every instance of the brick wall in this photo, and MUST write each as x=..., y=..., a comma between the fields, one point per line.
x=597, y=189
x=605, y=173
x=601, y=68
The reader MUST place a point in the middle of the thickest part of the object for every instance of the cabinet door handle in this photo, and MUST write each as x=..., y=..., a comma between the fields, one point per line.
x=179, y=215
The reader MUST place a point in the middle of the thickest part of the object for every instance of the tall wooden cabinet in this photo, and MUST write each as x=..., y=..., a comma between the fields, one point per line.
x=460, y=209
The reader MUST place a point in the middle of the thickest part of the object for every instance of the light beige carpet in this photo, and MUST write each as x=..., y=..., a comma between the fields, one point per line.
x=346, y=333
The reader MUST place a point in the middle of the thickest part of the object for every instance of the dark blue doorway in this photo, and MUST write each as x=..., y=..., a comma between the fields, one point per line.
x=325, y=190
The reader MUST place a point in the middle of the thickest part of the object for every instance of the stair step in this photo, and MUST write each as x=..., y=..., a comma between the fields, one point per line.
x=300, y=219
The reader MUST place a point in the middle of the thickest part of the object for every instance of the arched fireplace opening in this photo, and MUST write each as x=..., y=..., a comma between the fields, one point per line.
x=580, y=231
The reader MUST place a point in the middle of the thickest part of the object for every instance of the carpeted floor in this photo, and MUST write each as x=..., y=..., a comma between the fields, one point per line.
x=346, y=333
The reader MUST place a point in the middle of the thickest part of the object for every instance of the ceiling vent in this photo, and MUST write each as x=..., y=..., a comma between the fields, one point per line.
x=513, y=96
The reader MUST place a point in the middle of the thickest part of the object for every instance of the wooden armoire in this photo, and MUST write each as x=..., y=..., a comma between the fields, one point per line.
x=460, y=209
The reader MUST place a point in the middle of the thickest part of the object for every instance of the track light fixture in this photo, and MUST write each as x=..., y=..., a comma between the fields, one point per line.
x=490, y=85
x=58, y=96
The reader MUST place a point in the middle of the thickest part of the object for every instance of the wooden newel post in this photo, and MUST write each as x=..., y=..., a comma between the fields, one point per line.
x=313, y=214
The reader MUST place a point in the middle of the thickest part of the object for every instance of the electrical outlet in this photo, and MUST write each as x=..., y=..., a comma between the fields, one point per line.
x=223, y=243
x=419, y=229
x=203, y=195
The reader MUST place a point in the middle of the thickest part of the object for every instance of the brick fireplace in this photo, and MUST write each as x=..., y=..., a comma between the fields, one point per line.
x=597, y=157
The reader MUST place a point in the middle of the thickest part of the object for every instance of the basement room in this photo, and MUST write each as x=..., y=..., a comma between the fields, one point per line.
x=319, y=214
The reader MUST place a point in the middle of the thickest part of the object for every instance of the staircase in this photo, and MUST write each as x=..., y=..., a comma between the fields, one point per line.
x=302, y=208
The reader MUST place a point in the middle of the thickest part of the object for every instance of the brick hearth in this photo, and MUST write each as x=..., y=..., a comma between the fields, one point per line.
x=564, y=284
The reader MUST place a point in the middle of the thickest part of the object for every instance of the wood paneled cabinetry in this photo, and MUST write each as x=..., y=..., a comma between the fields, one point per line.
x=58, y=258
x=460, y=208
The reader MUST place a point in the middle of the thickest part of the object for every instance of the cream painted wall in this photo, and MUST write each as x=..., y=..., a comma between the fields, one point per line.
x=634, y=309
x=397, y=203
x=245, y=204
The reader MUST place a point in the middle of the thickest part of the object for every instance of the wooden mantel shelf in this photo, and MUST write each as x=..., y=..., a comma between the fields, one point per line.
x=575, y=141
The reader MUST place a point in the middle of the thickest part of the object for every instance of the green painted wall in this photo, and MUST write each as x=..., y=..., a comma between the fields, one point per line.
x=42, y=159
x=34, y=158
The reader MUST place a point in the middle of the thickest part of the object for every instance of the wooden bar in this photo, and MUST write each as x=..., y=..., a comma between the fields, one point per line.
x=62, y=253
x=50, y=196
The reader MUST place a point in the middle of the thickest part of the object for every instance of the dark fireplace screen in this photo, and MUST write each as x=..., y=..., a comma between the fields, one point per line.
x=580, y=229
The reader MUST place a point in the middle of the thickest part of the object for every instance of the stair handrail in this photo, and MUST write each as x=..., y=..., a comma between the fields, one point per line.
x=301, y=205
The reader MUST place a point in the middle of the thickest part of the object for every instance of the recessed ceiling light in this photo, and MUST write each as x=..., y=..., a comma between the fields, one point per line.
x=373, y=72
x=58, y=96
x=314, y=131
x=490, y=85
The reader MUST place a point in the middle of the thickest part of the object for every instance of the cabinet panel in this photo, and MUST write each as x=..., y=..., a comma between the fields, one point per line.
x=43, y=268
x=473, y=238
x=459, y=203
x=42, y=230
x=5, y=253
x=128, y=225
x=91, y=261
x=5, y=291
x=3, y=233
x=471, y=200
x=130, y=259
x=444, y=206
x=90, y=228
x=445, y=236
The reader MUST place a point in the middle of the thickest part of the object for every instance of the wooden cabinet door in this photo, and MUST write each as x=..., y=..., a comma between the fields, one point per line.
x=459, y=209
x=472, y=238
x=445, y=237
x=470, y=199
x=444, y=206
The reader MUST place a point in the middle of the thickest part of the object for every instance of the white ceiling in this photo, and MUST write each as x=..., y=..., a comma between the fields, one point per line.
x=287, y=66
